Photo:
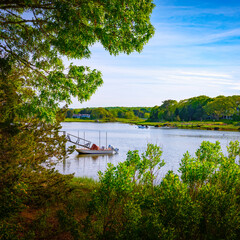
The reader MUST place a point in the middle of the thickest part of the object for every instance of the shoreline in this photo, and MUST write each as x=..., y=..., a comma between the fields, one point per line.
x=204, y=125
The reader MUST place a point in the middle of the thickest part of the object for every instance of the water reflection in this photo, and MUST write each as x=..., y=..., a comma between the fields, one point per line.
x=174, y=143
x=85, y=164
x=94, y=156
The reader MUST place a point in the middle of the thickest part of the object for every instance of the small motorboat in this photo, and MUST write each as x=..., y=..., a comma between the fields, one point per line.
x=96, y=150
x=89, y=151
x=142, y=126
x=88, y=147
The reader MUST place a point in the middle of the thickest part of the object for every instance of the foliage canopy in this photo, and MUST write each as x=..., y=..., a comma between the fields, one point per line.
x=201, y=203
x=198, y=108
x=37, y=34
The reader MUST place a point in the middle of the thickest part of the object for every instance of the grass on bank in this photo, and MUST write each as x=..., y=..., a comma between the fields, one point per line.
x=78, y=120
x=122, y=120
x=82, y=188
x=83, y=184
x=208, y=125
x=207, y=192
x=58, y=220
x=226, y=125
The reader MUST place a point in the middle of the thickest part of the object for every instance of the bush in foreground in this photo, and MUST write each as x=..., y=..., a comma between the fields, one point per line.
x=203, y=203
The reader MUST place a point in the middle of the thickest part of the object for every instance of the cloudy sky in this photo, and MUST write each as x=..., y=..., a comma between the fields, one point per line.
x=195, y=51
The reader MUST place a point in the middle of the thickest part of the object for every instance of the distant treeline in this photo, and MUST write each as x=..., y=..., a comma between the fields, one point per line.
x=112, y=112
x=191, y=109
x=197, y=108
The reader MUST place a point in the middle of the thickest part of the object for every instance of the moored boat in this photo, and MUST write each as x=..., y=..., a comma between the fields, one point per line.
x=97, y=150
x=142, y=126
x=88, y=147
x=100, y=151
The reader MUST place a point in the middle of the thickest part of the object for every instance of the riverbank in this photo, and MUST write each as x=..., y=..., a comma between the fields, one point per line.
x=202, y=125
x=89, y=208
x=60, y=219
x=122, y=120
x=217, y=126
x=78, y=120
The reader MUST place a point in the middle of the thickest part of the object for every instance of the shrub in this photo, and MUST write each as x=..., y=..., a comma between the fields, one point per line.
x=201, y=203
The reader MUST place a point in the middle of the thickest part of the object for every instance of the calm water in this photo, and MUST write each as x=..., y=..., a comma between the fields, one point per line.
x=174, y=143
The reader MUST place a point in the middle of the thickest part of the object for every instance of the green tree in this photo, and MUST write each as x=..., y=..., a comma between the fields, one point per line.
x=164, y=112
x=129, y=114
x=29, y=151
x=38, y=33
x=192, y=108
x=69, y=113
x=221, y=106
x=168, y=108
x=213, y=181
x=101, y=113
x=201, y=203
x=114, y=112
x=117, y=205
x=34, y=36
x=146, y=115
x=86, y=111
x=121, y=113
x=154, y=114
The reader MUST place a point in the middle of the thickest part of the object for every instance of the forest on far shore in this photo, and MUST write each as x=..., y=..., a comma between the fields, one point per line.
x=111, y=113
x=192, y=109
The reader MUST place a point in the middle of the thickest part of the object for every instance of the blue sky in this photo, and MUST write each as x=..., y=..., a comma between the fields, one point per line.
x=195, y=51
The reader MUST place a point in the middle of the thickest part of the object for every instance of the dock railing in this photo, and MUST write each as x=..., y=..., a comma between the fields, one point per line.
x=77, y=140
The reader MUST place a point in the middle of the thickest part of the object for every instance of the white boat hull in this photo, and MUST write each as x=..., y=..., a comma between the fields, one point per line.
x=89, y=151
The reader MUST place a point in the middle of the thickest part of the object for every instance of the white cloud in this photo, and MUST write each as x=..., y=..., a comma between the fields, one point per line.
x=188, y=56
x=148, y=87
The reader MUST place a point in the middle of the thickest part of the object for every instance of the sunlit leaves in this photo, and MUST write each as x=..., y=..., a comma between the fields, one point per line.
x=201, y=203
x=222, y=106
x=38, y=33
x=197, y=108
x=122, y=189
x=198, y=170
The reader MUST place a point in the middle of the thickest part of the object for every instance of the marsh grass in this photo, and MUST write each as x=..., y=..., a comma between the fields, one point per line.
x=80, y=195
x=60, y=219
x=223, y=125
x=77, y=120
x=115, y=207
x=205, y=125
x=83, y=183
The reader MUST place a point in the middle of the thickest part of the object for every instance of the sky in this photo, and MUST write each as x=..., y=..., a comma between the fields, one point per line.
x=195, y=51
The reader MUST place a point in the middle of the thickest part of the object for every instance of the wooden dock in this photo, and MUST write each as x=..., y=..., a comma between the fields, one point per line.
x=77, y=140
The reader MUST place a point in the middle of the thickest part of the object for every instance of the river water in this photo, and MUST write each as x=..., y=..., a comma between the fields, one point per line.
x=174, y=143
